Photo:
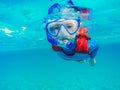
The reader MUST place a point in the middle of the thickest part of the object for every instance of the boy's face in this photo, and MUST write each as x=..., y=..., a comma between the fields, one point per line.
x=62, y=32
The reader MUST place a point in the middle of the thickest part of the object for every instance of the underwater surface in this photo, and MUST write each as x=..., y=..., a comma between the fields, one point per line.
x=27, y=61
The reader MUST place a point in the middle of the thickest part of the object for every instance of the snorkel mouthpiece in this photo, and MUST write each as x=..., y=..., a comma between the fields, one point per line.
x=60, y=43
x=69, y=45
x=65, y=44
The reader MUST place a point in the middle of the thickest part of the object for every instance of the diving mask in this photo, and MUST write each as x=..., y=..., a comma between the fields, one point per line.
x=54, y=27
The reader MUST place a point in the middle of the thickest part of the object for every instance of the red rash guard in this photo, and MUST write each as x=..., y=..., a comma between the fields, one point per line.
x=81, y=42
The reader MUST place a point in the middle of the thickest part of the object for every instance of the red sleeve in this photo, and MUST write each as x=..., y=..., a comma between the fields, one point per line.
x=86, y=36
x=56, y=48
x=81, y=45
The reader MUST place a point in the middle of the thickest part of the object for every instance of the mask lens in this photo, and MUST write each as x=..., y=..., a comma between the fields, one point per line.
x=53, y=28
x=71, y=25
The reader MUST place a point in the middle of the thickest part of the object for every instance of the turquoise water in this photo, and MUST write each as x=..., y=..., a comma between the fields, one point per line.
x=28, y=63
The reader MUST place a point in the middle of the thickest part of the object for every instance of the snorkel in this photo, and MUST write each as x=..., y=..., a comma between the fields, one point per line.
x=58, y=12
x=55, y=13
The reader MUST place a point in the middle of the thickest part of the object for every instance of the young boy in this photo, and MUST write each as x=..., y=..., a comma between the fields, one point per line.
x=68, y=35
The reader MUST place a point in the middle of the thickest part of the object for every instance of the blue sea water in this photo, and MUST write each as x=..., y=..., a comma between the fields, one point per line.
x=28, y=63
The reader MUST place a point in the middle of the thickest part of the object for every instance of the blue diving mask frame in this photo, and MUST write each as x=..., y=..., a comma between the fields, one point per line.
x=54, y=27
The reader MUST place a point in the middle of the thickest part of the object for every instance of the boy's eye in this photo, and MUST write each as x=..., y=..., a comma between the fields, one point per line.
x=52, y=29
x=56, y=27
x=69, y=26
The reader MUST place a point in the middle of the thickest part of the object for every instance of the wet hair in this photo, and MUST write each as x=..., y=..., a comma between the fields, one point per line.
x=57, y=8
x=58, y=11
